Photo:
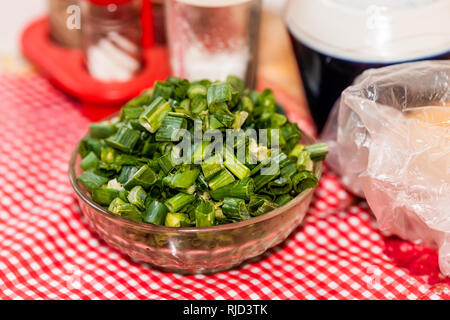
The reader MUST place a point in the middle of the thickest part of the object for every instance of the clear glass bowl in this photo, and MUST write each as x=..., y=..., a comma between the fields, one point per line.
x=193, y=250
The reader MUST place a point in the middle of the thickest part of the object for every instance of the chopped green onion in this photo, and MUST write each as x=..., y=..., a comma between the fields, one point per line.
x=204, y=214
x=266, y=206
x=198, y=104
x=126, y=173
x=153, y=116
x=137, y=197
x=179, y=201
x=101, y=130
x=223, y=178
x=144, y=177
x=89, y=145
x=283, y=199
x=166, y=163
x=218, y=92
x=182, y=179
x=304, y=161
x=304, y=180
x=239, y=119
x=318, y=151
x=162, y=90
x=214, y=123
x=131, y=164
x=177, y=220
x=124, y=140
x=91, y=180
x=105, y=196
x=196, y=90
x=156, y=213
x=169, y=127
x=89, y=162
x=235, y=208
x=236, y=167
x=125, y=210
x=242, y=189
x=211, y=166
x=280, y=185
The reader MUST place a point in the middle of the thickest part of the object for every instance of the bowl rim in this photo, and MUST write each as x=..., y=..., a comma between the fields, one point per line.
x=148, y=227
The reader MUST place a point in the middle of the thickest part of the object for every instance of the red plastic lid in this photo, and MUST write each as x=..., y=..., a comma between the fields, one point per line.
x=108, y=2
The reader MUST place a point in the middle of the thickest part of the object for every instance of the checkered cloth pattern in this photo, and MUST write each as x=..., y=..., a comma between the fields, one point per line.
x=48, y=252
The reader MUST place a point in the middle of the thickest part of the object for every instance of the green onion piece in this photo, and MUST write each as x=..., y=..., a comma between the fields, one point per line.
x=247, y=105
x=200, y=152
x=223, y=178
x=89, y=145
x=198, y=105
x=179, y=201
x=242, y=189
x=280, y=185
x=304, y=161
x=105, y=196
x=126, y=173
x=166, y=163
x=239, y=119
x=289, y=170
x=137, y=197
x=125, y=210
x=108, y=155
x=296, y=151
x=170, y=125
x=177, y=220
x=235, y=208
x=266, y=206
x=218, y=92
x=156, y=213
x=101, y=130
x=204, y=214
x=236, y=167
x=290, y=133
x=318, y=151
x=182, y=179
x=89, y=162
x=153, y=116
x=140, y=101
x=267, y=101
x=304, y=180
x=185, y=105
x=150, y=148
x=236, y=82
x=161, y=90
x=196, y=90
x=115, y=204
x=133, y=112
x=277, y=120
x=262, y=180
x=214, y=123
x=224, y=118
x=144, y=177
x=211, y=166
x=283, y=199
x=124, y=140
x=91, y=180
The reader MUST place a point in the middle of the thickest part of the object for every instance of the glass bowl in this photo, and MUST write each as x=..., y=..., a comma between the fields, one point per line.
x=193, y=250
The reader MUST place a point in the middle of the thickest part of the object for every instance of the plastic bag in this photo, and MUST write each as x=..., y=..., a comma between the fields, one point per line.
x=391, y=147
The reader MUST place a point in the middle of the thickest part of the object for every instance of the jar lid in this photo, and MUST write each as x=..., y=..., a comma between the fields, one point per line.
x=108, y=2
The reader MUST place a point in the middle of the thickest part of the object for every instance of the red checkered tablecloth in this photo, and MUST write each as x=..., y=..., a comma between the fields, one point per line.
x=48, y=252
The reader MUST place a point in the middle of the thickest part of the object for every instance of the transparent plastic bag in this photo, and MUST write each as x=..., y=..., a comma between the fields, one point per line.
x=389, y=139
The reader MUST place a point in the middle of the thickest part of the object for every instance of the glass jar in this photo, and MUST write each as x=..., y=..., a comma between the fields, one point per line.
x=213, y=39
x=111, y=34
